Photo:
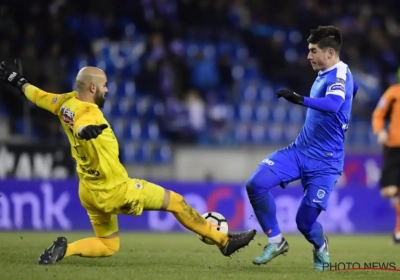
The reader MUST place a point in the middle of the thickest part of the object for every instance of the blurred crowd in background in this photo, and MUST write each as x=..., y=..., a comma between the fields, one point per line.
x=207, y=69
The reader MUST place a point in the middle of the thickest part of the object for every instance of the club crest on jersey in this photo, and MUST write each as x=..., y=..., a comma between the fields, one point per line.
x=67, y=116
x=320, y=194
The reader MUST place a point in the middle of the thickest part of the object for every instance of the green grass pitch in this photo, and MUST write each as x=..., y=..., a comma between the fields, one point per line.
x=183, y=256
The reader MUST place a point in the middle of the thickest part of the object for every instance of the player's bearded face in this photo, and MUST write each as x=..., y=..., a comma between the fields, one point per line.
x=99, y=98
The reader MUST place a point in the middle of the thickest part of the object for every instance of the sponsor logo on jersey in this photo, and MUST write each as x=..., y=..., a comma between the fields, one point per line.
x=268, y=161
x=67, y=116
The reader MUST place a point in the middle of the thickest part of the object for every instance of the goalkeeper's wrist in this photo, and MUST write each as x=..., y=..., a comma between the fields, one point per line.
x=24, y=86
x=78, y=133
x=21, y=82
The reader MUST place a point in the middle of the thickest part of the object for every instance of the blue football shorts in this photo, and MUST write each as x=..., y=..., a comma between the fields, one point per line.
x=318, y=177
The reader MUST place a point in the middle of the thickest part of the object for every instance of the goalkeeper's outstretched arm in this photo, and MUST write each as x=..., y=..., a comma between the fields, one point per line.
x=46, y=100
x=12, y=74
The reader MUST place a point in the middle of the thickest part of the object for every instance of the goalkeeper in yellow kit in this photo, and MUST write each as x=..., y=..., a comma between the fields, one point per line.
x=105, y=190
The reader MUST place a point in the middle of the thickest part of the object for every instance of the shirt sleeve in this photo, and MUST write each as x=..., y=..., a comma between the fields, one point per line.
x=335, y=93
x=336, y=82
x=328, y=104
x=382, y=108
x=48, y=101
x=87, y=115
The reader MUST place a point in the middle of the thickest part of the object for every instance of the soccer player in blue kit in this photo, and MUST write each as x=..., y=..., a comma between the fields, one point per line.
x=316, y=156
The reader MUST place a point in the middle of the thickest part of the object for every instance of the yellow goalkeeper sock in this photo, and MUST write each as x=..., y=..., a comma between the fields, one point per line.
x=93, y=247
x=193, y=221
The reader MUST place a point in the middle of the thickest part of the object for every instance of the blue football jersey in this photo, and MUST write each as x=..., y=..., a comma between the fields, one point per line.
x=323, y=133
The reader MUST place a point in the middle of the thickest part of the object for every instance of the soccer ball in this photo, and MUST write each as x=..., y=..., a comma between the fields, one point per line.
x=218, y=221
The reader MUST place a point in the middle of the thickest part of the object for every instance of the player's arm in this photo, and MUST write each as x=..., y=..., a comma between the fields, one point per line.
x=88, y=123
x=12, y=75
x=381, y=110
x=331, y=102
x=45, y=100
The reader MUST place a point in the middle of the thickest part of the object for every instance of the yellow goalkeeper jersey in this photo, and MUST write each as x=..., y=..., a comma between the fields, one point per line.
x=98, y=164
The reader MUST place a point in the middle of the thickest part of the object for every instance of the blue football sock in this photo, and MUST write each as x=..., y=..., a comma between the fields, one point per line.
x=258, y=189
x=307, y=224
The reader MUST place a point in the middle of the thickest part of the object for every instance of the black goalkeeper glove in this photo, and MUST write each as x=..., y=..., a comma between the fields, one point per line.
x=12, y=74
x=290, y=96
x=91, y=131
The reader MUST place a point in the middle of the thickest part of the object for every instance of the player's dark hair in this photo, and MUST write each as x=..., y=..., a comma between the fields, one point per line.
x=326, y=37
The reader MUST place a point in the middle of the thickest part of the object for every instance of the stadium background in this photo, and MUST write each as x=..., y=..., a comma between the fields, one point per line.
x=191, y=101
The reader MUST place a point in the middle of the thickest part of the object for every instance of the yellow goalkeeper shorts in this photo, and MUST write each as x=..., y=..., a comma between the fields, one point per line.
x=129, y=198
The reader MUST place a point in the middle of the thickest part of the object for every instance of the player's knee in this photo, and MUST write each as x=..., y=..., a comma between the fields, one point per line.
x=249, y=186
x=253, y=184
x=112, y=244
x=389, y=191
x=257, y=184
x=176, y=202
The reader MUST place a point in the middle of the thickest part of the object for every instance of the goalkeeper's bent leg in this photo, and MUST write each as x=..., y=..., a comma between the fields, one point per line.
x=191, y=219
x=106, y=242
x=89, y=247
x=93, y=247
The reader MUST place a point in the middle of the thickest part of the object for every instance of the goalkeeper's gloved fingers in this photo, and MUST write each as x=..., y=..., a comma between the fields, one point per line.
x=18, y=66
x=103, y=126
x=92, y=131
x=11, y=74
x=3, y=71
